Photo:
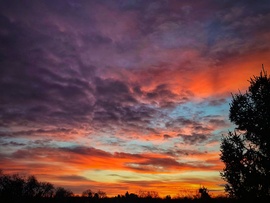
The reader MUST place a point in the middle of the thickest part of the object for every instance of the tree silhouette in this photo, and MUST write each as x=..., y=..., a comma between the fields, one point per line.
x=101, y=194
x=148, y=194
x=246, y=151
x=15, y=187
x=204, y=193
x=46, y=190
x=11, y=186
x=32, y=187
x=88, y=193
x=61, y=193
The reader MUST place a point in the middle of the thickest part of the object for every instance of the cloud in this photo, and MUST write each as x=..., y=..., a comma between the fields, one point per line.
x=218, y=122
x=166, y=136
x=155, y=165
x=52, y=76
x=189, y=126
x=194, y=139
x=72, y=178
x=38, y=158
x=216, y=102
x=12, y=143
x=86, y=151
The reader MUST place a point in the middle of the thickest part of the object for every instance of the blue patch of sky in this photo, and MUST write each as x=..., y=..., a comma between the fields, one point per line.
x=200, y=109
x=137, y=146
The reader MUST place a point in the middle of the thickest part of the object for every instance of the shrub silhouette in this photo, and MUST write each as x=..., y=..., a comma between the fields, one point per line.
x=15, y=188
x=88, y=193
x=11, y=186
x=204, y=193
x=61, y=193
x=246, y=151
x=18, y=189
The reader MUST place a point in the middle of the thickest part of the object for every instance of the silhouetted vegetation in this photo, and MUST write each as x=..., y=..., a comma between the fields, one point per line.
x=19, y=189
x=15, y=187
x=246, y=151
x=204, y=193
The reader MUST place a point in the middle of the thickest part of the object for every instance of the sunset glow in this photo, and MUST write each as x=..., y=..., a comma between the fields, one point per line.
x=125, y=95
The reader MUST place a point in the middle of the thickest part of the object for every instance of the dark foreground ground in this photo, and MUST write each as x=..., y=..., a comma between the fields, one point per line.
x=124, y=200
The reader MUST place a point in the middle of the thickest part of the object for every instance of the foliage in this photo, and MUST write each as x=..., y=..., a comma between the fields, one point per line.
x=16, y=187
x=246, y=151
x=96, y=195
x=148, y=194
x=204, y=193
x=61, y=193
x=101, y=194
x=11, y=186
x=88, y=193
x=19, y=189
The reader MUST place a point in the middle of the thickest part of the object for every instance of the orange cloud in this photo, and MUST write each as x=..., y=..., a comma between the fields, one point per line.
x=64, y=166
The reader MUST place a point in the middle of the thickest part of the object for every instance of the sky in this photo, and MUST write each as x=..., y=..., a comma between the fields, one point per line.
x=125, y=95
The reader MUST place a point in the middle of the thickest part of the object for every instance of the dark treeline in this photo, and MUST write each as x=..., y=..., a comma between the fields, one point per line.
x=16, y=188
x=20, y=189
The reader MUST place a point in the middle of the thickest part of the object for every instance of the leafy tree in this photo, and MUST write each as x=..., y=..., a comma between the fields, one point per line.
x=11, y=186
x=101, y=194
x=46, y=190
x=148, y=194
x=204, y=193
x=31, y=187
x=61, y=192
x=130, y=197
x=246, y=151
x=88, y=193
x=15, y=187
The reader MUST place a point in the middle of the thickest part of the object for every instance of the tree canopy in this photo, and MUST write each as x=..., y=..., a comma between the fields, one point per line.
x=246, y=151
